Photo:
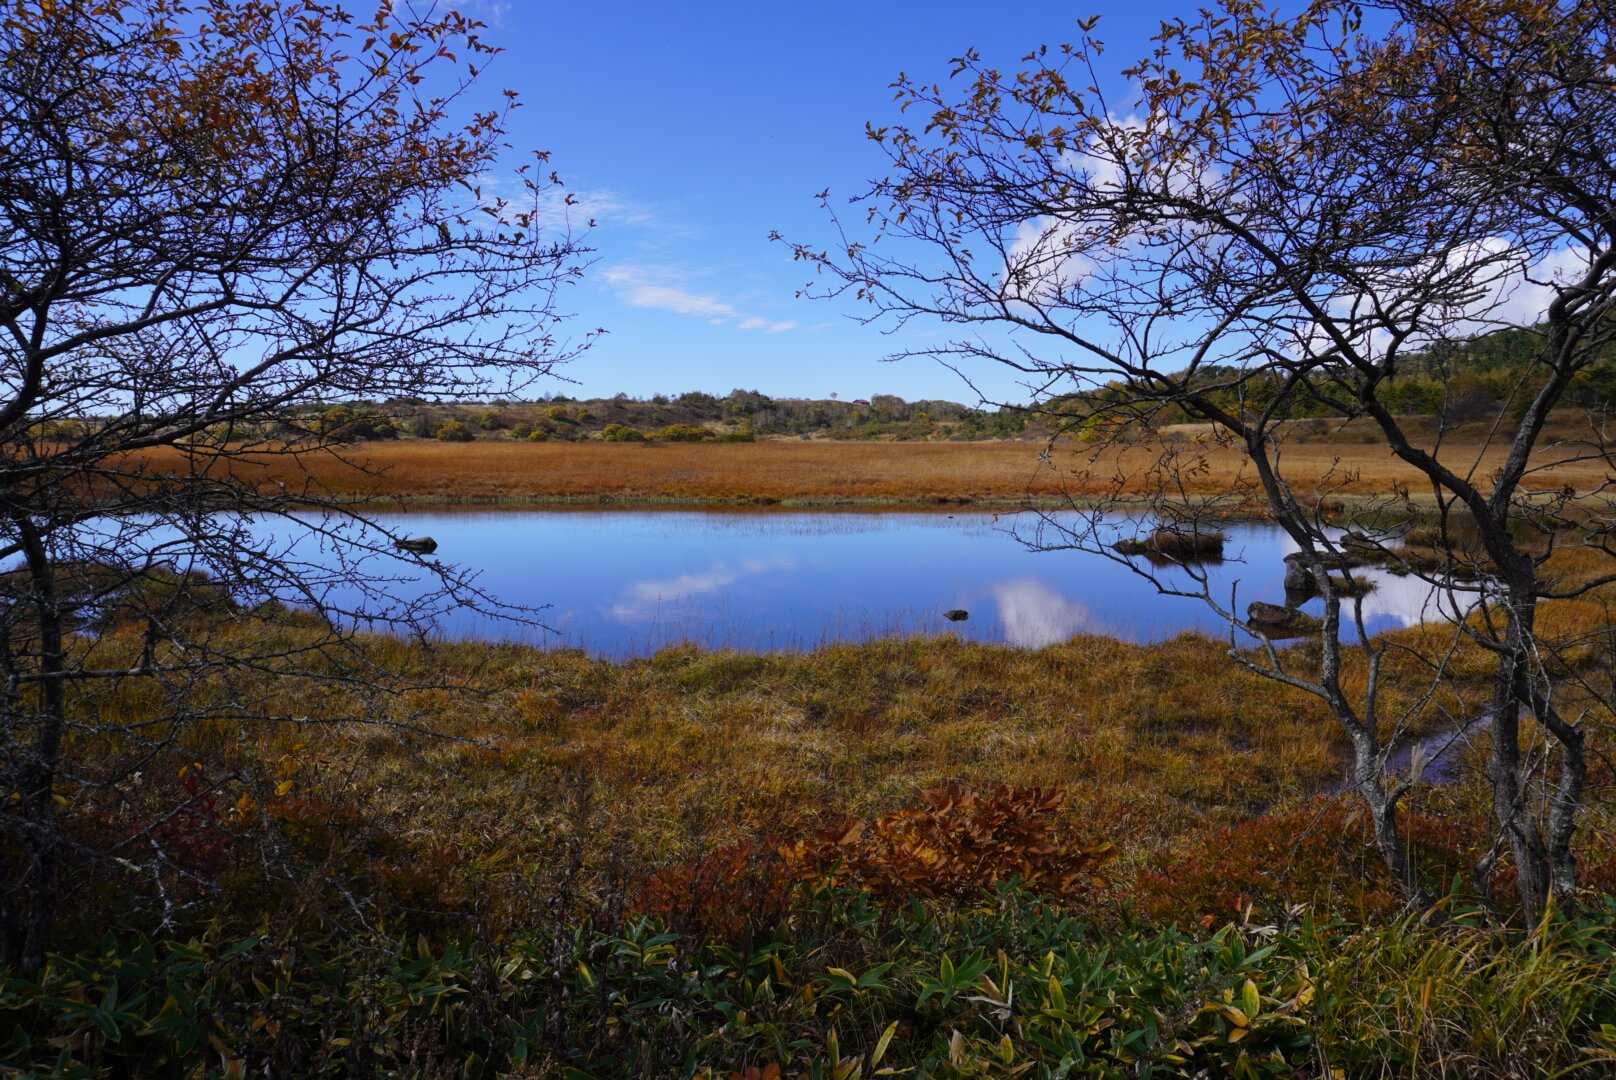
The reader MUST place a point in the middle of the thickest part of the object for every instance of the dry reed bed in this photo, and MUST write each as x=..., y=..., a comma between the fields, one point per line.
x=822, y=472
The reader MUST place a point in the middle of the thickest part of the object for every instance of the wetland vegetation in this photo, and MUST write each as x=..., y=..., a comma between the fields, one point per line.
x=268, y=807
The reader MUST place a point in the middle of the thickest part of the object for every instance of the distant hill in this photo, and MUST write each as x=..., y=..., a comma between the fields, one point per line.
x=1458, y=382
x=739, y=416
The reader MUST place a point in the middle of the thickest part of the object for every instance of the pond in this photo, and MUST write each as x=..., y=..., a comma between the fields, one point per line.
x=622, y=583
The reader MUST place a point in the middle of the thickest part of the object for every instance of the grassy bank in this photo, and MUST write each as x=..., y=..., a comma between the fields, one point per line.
x=843, y=988
x=552, y=772
x=819, y=473
x=544, y=864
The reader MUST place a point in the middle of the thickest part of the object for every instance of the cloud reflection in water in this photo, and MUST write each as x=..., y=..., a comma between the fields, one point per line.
x=645, y=599
x=1034, y=615
x=1408, y=600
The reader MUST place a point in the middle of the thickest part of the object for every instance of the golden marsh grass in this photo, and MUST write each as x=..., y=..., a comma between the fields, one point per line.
x=830, y=473
x=555, y=756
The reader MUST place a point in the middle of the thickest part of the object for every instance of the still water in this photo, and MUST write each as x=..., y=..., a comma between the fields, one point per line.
x=622, y=583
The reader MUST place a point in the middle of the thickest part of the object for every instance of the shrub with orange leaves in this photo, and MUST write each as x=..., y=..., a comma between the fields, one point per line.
x=731, y=894
x=958, y=845
x=770, y=1071
x=1320, y=854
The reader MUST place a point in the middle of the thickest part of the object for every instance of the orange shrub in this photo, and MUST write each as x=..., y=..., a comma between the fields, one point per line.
x=732, y=894
x=958, y=845
x=1321, y=855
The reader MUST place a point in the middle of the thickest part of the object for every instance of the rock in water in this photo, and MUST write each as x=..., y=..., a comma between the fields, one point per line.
x=1298, y=579
x=1176, y=546
x=1267, y=614
x=1276, y=620
x=957, y=615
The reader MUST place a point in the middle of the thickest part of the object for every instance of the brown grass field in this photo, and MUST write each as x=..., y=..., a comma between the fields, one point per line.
x=848, y=473
x=557, y=759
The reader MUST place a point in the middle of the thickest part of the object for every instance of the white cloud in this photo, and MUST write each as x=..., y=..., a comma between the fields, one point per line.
x=752, y=322
x=492, y=12
x=1053, y=255
x=660, y=289
x=669, y=298
x=1495, y=284
x=555, y=208
x=605, y=207
x=1492, y=284
x=1046, y=255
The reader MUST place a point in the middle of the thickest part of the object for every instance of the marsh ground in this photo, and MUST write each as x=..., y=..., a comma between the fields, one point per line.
x=809, y=472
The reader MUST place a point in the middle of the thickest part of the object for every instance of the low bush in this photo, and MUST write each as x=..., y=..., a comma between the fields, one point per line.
x=1009, y=987
x=681, y=433
x=956, y=844
x=1320, y=855
x=732, y=895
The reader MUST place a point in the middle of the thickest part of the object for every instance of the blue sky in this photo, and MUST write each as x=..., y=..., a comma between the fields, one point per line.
x=690, y=131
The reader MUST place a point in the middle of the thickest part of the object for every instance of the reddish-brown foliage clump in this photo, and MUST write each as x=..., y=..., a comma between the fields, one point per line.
x=958, y=845
x=1321, y=855
x=191, y=837
x=731, y=894
x=1272, y=861
x=770, y=1071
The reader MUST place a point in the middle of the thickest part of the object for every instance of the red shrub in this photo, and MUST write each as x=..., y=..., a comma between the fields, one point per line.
x=732, y=894
x=957, y=844
x=191, y=837
x=1319, y=855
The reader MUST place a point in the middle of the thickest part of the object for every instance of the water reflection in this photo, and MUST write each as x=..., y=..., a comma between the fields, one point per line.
x=1034, y=615
x=1395, y=601
x=1406, y=600
x=622, y=583
x=629, y=582
x=646, y=599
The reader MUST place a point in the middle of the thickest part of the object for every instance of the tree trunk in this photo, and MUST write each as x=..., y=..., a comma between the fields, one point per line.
x=30, y=914
x=1563, y=808
x=1504, y=768
x=1368, y=778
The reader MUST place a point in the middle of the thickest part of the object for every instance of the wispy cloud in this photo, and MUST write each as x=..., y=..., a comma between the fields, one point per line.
x=556, y=208
x=600, y=207
x=661, y=289
x=492, y=12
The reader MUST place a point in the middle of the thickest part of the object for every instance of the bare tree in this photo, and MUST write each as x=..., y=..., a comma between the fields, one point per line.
x=1291, y=214
x=214, y=217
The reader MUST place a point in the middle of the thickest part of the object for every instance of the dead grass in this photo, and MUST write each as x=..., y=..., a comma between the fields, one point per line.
x=828, y=473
